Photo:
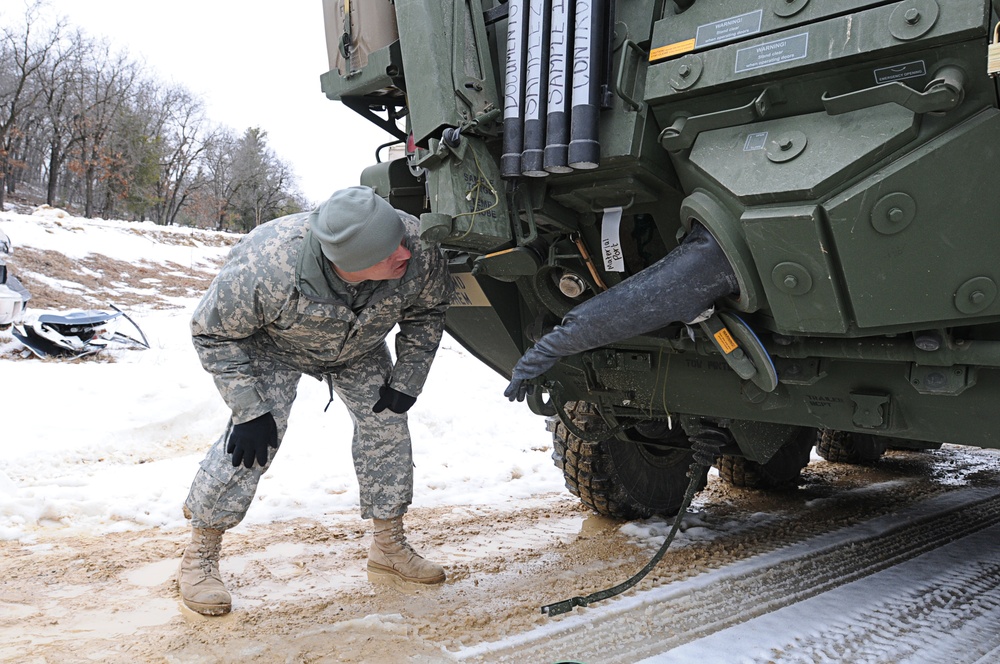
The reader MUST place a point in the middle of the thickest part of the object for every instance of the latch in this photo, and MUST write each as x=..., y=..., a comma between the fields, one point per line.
x=943, y=93
x=993, y=54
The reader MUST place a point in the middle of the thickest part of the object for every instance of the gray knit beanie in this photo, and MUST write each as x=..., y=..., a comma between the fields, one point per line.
x=356, y=228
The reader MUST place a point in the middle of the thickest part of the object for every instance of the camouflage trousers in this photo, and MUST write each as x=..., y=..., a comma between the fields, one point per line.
x=221, y=494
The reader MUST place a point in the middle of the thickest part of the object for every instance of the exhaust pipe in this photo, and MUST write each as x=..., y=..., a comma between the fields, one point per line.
x=536, y=88
x=513, y=96
x=584, y=148
x=556, y=158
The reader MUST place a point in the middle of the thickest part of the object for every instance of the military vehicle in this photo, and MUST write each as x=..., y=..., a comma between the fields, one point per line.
x=843, y=155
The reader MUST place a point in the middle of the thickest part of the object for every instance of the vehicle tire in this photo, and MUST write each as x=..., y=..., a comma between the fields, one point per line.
x=781, y=470
x=845, y=447
x=619, y=479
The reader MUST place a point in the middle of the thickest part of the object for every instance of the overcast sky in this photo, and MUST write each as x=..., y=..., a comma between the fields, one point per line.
x=252, y=63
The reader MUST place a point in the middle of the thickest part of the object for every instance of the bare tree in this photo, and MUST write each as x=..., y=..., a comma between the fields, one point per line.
x=182, y=147
x=220, y=186
x=105, y=89
x=22, y=55
x=57, y=80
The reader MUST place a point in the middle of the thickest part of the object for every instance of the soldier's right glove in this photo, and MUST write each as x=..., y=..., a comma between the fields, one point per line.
x=249, y=441
x=518, y=389
x=394, y=400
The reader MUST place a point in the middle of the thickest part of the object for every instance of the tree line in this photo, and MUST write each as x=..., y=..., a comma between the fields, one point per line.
x=87, y=128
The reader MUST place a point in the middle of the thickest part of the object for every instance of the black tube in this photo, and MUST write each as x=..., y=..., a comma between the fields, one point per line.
x=513, y=94
x=557, y=108
x=677, y=288
x=584, y=148
x=536, y=88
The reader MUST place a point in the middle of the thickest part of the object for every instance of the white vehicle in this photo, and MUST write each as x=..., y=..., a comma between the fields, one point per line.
x=13, y=296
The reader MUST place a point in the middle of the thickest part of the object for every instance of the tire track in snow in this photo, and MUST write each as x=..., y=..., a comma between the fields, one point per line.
x=964, y=605
x=655, y=621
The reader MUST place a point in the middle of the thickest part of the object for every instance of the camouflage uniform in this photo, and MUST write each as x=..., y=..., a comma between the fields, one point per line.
x=276, y=311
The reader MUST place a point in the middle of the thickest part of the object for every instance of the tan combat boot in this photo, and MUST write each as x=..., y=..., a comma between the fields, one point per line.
x=392, y=556
x=198, y=577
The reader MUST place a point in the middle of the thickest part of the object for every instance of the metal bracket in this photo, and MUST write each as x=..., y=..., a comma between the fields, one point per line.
x=871, y=411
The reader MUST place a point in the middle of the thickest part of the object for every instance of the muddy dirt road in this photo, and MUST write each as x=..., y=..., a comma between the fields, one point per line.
x=890, y=563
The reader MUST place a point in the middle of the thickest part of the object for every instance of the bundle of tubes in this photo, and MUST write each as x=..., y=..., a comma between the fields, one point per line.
x=552, y=86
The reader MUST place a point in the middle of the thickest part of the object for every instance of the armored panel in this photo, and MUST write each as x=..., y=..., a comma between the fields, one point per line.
x=917, y=240
x=801, y=158
x=796, y=270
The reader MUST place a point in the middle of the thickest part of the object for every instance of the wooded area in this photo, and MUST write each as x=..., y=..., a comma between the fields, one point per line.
x=87, y=128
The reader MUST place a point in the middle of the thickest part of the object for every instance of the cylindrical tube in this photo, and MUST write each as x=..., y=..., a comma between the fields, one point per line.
x=584, y=148
x=535, y=88
x=557, y=105
x=513, y=96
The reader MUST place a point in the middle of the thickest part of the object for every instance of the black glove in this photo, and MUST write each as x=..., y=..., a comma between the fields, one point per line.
x=518, y=389
x=250, y=440
x=394, y=400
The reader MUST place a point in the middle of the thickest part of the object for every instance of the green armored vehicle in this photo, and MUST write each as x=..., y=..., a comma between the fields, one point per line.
x=768, y=224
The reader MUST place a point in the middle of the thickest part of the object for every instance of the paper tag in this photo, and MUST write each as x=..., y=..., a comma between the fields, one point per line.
x=611, y=246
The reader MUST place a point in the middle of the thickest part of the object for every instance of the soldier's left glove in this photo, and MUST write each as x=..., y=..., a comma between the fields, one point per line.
x=394, y=400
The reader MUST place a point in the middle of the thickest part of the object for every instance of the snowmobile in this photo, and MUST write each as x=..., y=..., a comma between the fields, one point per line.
x=70, y=335
x=77, y=333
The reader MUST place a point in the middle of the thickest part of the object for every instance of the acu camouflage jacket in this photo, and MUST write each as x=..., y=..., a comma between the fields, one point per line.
x=274, y=299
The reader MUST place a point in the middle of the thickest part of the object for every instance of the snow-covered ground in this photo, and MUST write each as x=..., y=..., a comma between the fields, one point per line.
x=110, y=446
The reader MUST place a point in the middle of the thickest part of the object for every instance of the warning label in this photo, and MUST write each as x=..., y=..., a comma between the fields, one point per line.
x=772, y=53
x=729, y=29
x=725, y=340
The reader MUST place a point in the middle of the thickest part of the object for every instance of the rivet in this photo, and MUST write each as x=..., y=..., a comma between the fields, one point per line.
x=977, y=297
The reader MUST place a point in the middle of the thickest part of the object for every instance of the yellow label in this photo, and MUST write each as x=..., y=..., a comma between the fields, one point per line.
x=726, y=341
x=671, y=50
x=468, y=293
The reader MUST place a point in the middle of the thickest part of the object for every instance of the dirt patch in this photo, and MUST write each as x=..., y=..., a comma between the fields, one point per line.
x=96, y=280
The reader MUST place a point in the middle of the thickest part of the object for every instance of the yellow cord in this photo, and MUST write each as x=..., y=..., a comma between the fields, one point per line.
x=479, y=182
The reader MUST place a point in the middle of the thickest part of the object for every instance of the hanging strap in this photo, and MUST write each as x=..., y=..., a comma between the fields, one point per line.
x=328, y=379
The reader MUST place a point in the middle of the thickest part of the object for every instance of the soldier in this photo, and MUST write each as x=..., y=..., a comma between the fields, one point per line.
x=317, y=293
